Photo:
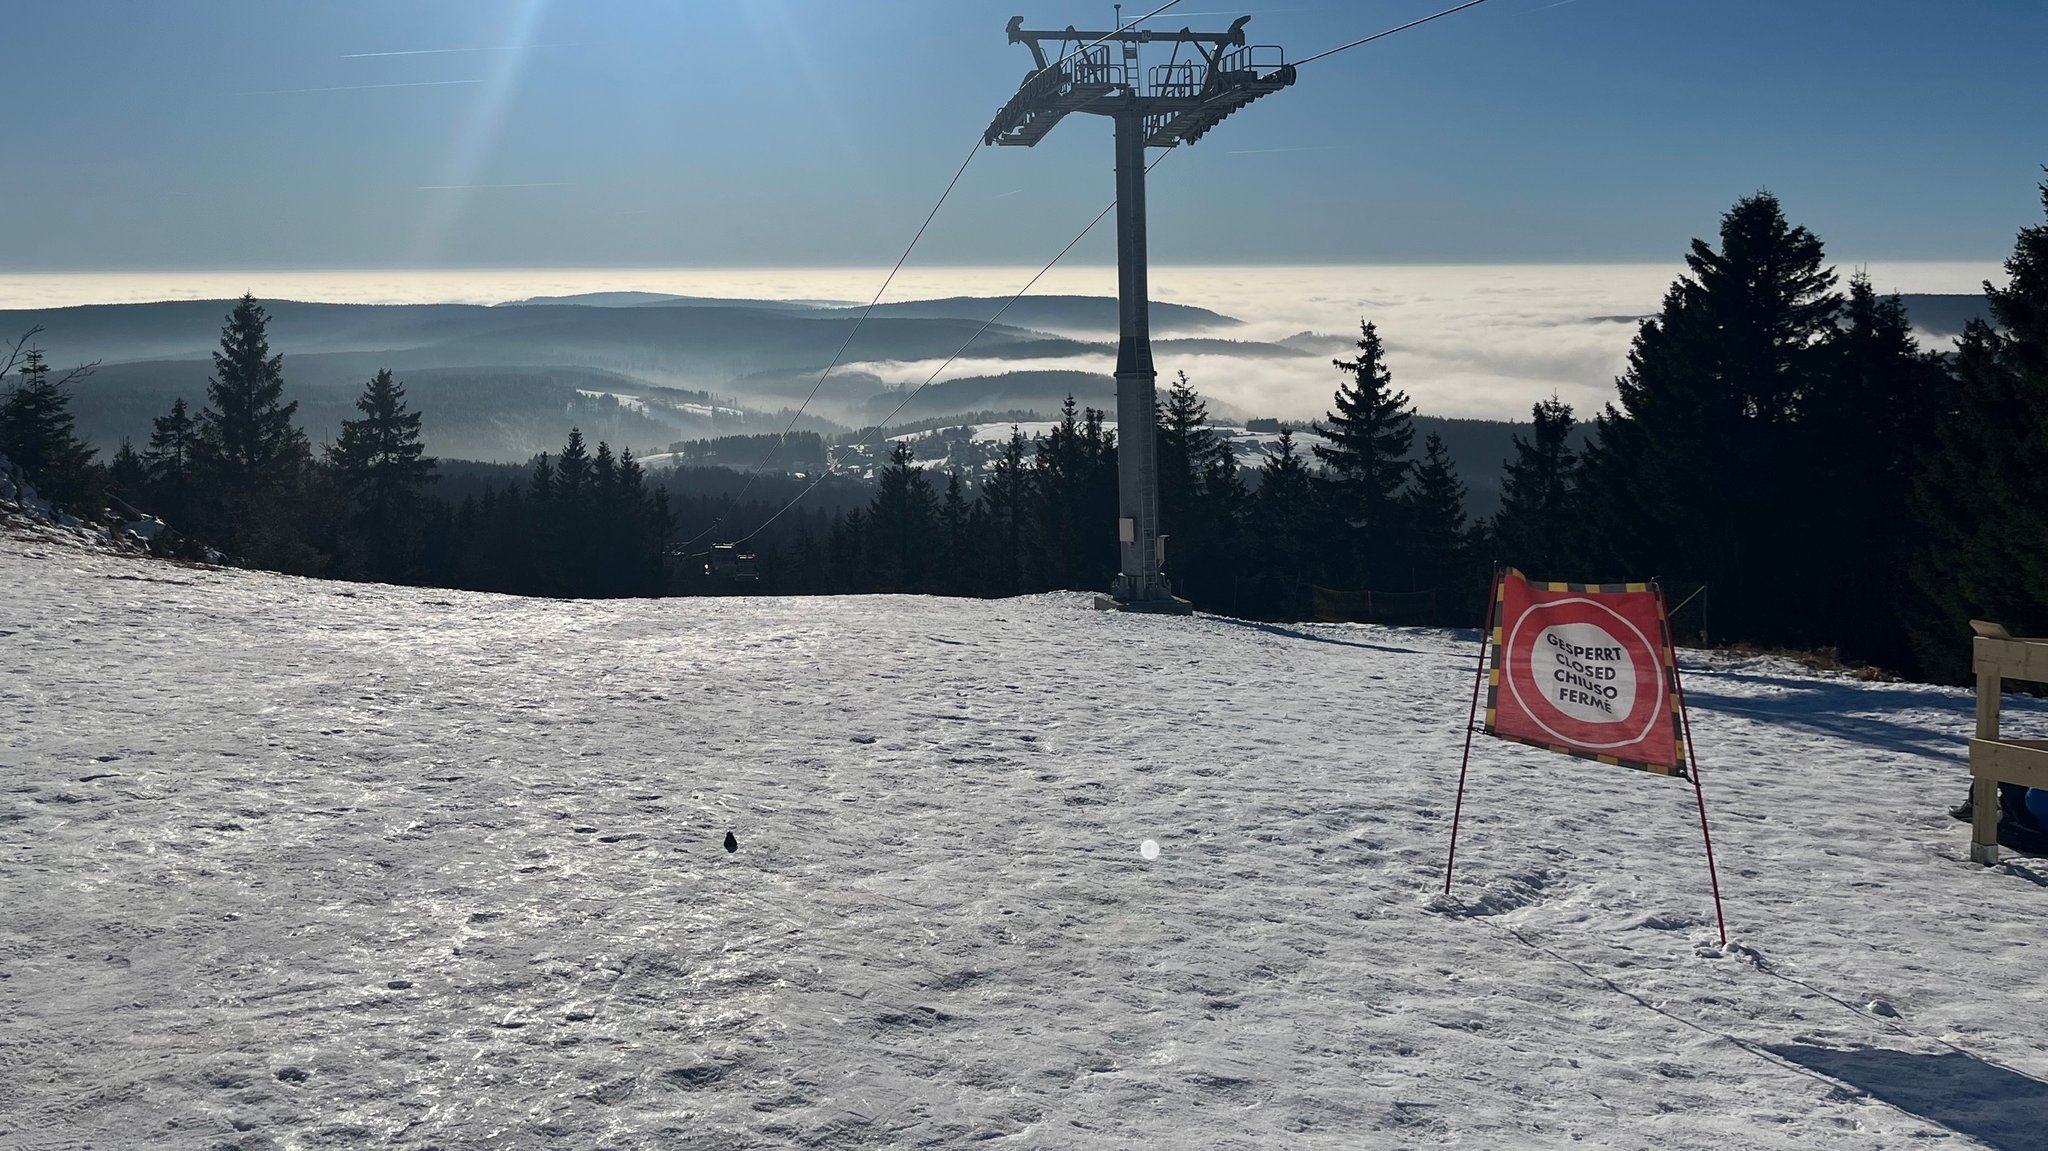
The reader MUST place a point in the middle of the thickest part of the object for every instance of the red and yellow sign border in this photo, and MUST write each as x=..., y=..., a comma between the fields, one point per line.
x=1665, y=672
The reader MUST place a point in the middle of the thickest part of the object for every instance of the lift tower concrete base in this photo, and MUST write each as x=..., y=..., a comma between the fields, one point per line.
x=1177, y=103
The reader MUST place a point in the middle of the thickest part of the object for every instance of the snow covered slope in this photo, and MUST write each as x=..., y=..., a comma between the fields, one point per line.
x=298, y=864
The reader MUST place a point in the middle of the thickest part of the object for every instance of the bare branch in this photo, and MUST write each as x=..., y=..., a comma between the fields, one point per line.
x=78, y=373
x=14, y=354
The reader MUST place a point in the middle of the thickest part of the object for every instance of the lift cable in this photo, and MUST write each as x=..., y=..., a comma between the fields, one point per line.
x=1033, y=281
x=775, y=448
x=957, y=353
x=1390, y=32
x=1099, y=41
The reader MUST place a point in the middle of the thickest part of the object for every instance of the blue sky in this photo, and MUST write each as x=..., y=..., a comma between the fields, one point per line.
x=245, y=134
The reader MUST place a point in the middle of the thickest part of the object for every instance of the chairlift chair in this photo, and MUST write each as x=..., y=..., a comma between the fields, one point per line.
x=727, y=561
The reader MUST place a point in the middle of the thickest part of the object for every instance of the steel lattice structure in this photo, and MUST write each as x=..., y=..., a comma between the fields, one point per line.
x=1169, y=104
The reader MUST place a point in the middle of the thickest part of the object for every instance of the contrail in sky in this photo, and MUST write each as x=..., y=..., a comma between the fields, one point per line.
x=445, y=51
x=465, y=187
x=364, y=87
x=1309, y=148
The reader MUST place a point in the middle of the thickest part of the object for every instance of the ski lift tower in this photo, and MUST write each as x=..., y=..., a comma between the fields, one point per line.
x=1175, y=103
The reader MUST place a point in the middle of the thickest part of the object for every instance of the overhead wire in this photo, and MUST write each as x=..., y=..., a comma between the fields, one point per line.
x=884, y=423
x=775, y=448
x=957, y=353
x=1389, y=32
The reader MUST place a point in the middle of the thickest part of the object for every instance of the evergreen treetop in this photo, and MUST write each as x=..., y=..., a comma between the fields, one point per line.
x=902, y=522
x=1983, y=495
x=379, y=461
x=1534, y=528
x=246, y=437
x=172, y=439
x=1368, y=436
x=573, y=472
x=1437, y=500
x=40, y=435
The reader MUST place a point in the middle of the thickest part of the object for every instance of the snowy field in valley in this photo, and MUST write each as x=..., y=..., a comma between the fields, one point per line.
x=287, y=863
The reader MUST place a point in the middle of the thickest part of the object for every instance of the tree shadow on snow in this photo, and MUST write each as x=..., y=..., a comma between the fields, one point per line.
x=1853, y=711
x=1961, y=1092
x=1291, y=633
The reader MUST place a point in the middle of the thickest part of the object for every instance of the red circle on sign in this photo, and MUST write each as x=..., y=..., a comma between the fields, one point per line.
x=1520, y=674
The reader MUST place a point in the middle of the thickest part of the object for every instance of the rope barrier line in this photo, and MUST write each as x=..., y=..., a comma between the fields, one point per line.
x=1754, y=1048
x=957, y=353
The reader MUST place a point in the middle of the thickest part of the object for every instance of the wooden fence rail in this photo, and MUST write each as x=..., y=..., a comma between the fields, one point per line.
x=1998, y=656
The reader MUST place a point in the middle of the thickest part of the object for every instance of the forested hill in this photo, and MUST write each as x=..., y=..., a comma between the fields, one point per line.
x=645, y=341
x=1059, y=313
x=1945, y=315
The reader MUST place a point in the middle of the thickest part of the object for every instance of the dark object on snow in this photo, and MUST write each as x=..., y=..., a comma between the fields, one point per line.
x=732, y=844
x=2012, y=804
x=2027, y=838
x=2020, y=828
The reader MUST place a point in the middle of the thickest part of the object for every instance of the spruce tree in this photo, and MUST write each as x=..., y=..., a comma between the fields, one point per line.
x=1188, y=447
x=1284, y=509
x=631, y=523
x=1440, y=543
x=529, y=534
x=807, y=570
x=1201, y=497
x=542, y=487
x=173, y=440
x=1365, y=459
x=1867, y=429
x=902, y=523
x=1983, y=494
x=250, y=463
x=127, y=475
x=246, y=444
x=1097, y=555
x=951, y=575
x=1696, y=475
x=573, y=472
x=1006, y=505
x=847, y=554
x=380, y=468
x=601, y=554
x=39, y=434
x=1535, y=528
x=1060, y=481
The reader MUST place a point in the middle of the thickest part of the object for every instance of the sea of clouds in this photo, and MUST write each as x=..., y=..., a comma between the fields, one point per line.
x=1462, y=340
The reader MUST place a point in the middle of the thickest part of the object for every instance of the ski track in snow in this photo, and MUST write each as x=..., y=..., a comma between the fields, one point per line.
x=289, y=863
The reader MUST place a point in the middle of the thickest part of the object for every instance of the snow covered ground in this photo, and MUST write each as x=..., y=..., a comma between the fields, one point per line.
x=298, y=864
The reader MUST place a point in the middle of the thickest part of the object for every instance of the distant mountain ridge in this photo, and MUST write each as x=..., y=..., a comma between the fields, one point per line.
x=662, y=300
x=1945, y=315
x=1058, y=313
x=503, y=382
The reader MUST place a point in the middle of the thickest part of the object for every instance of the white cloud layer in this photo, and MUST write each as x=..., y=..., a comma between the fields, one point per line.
x=1464, y=340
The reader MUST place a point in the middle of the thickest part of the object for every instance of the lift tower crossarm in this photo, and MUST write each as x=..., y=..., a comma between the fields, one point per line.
x=1175, y=104
x=1234, y=38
